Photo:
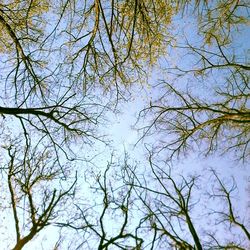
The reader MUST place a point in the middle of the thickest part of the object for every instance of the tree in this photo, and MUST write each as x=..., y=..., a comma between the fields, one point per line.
x=56, y=60
x=201, y=105
x=57, y=63
x=32, y=199
x=106, y=220
x=176, y=213
x=218, y=121
x=156, y=207
x=122, y=36
x=222, y=125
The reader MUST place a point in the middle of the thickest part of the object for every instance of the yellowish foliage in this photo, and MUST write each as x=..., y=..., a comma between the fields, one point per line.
x=220, y=19
x=150, y=27
x=22, y=16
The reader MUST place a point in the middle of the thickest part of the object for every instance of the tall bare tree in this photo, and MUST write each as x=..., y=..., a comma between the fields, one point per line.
x=177, y=213
x=205, y=99
x=36, y=192
x=106, y=220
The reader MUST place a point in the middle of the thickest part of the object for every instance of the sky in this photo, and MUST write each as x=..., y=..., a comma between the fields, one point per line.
x=121, y=129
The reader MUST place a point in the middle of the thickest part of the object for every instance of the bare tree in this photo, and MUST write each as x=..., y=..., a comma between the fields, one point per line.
x=57, y=60
x=107, y=220
x=225, y=190
x=176, y=212
x=122, y=36
x=155, y=207
x=221, y=125
x=34, y=202
x=206, y=95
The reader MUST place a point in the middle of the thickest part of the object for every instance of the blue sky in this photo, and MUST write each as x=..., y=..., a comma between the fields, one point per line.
x=121, y=129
